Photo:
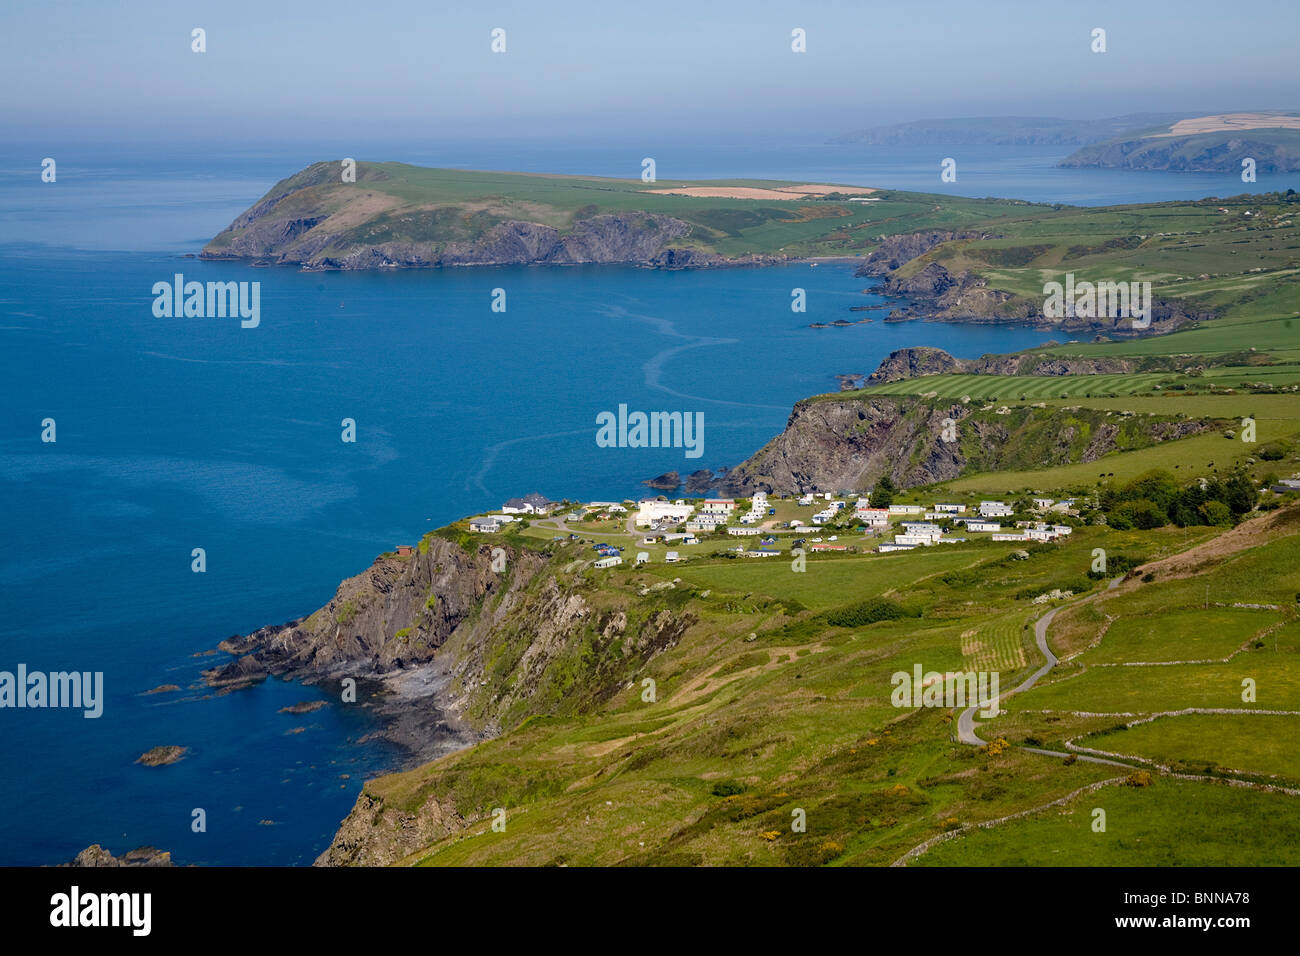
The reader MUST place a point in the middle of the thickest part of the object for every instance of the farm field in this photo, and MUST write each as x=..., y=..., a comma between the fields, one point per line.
x=1169, y=823
x=1179, y=634
x=1213, y=743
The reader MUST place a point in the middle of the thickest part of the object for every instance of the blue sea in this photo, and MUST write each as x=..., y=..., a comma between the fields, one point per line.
x=176, y=434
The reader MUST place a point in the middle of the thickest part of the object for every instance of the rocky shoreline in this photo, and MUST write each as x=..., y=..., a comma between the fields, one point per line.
x=935, y=294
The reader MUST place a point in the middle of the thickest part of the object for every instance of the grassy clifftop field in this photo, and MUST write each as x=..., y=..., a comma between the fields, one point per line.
x=400, y=215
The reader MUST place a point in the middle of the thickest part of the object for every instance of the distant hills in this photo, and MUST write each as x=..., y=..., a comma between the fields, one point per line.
x=1180, y=142
x=1202, y=144
x=1006, y=131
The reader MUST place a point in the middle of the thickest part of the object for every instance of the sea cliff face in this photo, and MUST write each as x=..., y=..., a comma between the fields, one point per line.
x=849, y=443
x=918, y=362
x=1272, y=151
x=315, y=243
x=935, y=293
x=313, y=221
x=491, y=632
x=396, y=613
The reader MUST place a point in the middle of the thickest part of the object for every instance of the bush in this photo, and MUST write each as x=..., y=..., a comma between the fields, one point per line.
x=728, y=788
x=1215, y=513
x=869, y=612
x=1142, y=513
x=882, y=496
x=1271, y=453
x=1118, y=564
x=1077, y=585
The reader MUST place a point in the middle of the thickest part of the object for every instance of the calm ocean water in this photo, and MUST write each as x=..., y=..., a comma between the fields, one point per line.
x=175, y=434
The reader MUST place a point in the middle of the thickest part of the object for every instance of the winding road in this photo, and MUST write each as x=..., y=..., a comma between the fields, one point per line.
x=966, y=721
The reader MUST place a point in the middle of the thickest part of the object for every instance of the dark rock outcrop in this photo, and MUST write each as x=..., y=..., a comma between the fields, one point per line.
x=668, y=481
x=96, y=856
x=935, y=293
x=396, y=613
x=919, y=362
x=848, y=443
x=161, y=756
x=895, y=251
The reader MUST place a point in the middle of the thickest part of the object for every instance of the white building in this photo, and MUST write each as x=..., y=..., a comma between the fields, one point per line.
x=672, y=557
x=906, y=510
x=608, y=562
x=718, y=506
x=642, y=557
x=976, y=525
x=529, y=504
x=742, y=532
x=705, y=523
x=872, y=517
x=995, y=509
x=951, y=509
x=915, y=539
x=652, y=511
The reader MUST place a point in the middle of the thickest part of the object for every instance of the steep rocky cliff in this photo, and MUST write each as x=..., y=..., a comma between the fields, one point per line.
x=833, y=444
x=396, y=613
x=935, y=293
x=317, y=222
x=1272, y=150
x=910, y=363
x=894, y=251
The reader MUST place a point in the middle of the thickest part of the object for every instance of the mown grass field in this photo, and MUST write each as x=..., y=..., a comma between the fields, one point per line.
x=1035, y=388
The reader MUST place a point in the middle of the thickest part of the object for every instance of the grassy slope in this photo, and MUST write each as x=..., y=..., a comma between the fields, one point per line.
x=766, y=699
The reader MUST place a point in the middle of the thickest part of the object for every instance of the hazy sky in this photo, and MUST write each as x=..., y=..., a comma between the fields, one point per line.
x=577, y=68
